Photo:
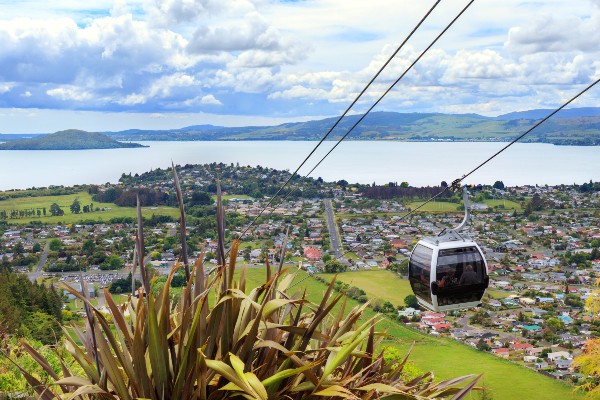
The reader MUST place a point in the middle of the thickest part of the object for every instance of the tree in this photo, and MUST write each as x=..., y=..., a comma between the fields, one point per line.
x=88, y=247
x=123, y=285
x=36, y=247
x=481, y=317
x=498, y=185
x=18, y=249
x=482, y=345
x=334, y=267
x=55, y=244
x=411, y=301
x=112, y=262
x=75, y=206
x=400, y=268
x=43, y=327
x=200, y=199
x=55, y=210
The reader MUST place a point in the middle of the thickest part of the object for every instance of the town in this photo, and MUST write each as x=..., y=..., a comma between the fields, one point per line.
x=541, y=243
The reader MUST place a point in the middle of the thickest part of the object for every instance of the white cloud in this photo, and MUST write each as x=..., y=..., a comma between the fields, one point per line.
x=252, y=32
x=209, y=99
x=170, y=12
x=486, y=64
x=69, y=93
x=163, y=86
x=5, y=87
x=298, y=58
x=555, y=33
x=132, y=99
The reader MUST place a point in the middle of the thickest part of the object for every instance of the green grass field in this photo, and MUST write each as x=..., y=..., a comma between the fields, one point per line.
x=110, y=210
x=445, y=357
x=436, y=206
x=506, y=204
x=497, y=294
x=233, y=196
x=442, y=206
x=378, y=284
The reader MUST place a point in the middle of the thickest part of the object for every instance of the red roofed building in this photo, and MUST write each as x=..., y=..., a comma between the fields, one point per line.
x=312, y=254
x=502, y=352
x=521, y=346
x=441, y=327
x=397, y=243
x=432, y=321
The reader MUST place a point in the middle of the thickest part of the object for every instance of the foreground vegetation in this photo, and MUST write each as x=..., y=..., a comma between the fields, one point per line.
x=269, y=344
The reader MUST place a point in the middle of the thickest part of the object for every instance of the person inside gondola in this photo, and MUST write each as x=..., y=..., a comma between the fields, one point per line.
x=448, y=280
x=469, y=277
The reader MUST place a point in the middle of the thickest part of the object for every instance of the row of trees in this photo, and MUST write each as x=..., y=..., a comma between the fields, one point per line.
x=128, y=198
x=55, y=210
x=25, y=213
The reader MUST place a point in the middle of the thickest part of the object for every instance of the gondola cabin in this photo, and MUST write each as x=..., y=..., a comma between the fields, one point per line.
x=448, y=272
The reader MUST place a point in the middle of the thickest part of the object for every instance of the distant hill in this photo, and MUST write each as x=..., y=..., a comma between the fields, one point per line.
x=575, y=127
x=539, y=114
x=71, y=139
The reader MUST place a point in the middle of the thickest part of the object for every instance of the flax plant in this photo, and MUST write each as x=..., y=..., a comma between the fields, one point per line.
x=221, y=340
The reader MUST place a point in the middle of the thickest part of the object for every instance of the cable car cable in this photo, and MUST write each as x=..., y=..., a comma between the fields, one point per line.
x=371, y=108
x=526, y=132
x=387, y=91
x=393, y=85
x=345, y=113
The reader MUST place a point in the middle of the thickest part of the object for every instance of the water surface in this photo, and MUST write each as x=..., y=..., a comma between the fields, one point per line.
x=419, y=163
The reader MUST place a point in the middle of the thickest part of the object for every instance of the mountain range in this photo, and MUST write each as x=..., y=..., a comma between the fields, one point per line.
x=577, y=126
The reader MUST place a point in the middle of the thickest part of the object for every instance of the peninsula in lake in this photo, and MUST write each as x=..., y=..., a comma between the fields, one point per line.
x=71, y=139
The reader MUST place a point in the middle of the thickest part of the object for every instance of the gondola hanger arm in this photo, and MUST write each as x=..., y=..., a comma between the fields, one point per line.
x=466, y=202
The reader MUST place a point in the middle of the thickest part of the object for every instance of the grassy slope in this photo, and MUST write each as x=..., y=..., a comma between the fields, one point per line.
x=445, y=357
x=379, y=284
x=85, y=199
x=441, y=206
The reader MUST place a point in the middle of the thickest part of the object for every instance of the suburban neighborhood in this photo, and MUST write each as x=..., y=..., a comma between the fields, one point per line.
x=541, y=243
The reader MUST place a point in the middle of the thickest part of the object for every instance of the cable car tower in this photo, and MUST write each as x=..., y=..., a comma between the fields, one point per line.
x=448, y=271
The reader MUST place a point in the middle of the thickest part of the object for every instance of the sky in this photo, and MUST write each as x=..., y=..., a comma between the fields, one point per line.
x=150, y=64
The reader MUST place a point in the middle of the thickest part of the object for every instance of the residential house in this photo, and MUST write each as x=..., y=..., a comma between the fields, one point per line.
x=501, y=352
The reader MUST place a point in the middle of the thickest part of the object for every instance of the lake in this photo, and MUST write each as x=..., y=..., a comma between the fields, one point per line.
x=419, y=163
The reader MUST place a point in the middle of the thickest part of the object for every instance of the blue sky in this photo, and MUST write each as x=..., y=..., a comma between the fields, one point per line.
x=110, y=65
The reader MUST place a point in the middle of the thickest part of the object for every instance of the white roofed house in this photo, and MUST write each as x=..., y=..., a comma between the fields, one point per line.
x=558, y=355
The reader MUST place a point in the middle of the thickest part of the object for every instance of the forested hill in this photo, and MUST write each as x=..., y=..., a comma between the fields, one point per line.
x=67, y=140
x=575, y=127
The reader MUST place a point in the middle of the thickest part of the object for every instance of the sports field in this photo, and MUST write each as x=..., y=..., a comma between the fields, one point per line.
x=444, y=207
x=105, y=213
